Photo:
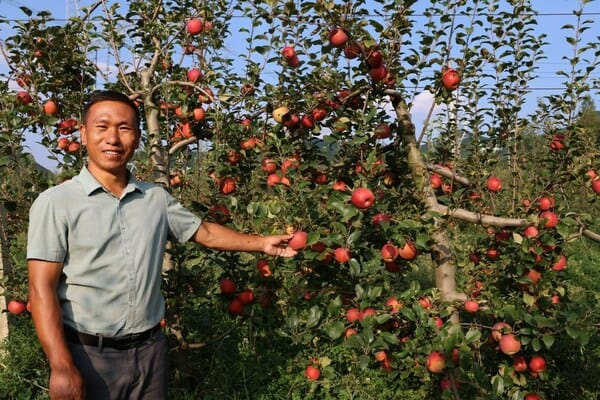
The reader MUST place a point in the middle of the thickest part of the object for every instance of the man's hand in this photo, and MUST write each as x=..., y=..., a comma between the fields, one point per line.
x=276, y=245
x=66, y=384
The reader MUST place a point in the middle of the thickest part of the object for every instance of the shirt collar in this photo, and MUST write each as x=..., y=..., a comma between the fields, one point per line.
x=90, y=183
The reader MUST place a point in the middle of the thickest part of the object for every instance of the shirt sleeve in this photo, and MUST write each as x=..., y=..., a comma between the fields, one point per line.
x=183, y=224
x=47, y=231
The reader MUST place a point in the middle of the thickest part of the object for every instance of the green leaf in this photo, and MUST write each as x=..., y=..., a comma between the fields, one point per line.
x=313, y=317
x=528, y=299
x=498, y=385
x=334, y=329
x=548, y=340
x=473, y=335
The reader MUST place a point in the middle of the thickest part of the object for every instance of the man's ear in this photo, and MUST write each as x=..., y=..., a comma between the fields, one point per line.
x=83, y=134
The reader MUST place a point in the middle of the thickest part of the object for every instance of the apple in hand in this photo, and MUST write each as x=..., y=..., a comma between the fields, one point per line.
x=298, y=241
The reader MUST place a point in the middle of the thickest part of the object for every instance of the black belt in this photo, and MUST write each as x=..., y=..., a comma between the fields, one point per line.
x=117, y=342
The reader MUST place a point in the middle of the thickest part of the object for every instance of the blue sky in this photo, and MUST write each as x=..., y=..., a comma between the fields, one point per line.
x=553, y=15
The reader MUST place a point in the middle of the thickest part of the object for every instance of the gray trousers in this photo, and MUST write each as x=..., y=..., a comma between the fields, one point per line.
x=111, y=374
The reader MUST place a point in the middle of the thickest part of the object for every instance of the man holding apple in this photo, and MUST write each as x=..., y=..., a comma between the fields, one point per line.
x=95, y=250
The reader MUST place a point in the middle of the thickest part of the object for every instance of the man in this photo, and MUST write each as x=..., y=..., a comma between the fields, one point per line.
x=95, y=251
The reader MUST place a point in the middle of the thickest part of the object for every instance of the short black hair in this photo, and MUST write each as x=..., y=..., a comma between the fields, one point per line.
x=111, y=95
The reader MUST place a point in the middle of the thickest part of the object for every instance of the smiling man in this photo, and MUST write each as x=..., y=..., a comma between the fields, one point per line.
x=95, y=250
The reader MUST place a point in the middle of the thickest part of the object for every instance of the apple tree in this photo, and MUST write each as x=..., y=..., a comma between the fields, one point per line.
x=435, y=247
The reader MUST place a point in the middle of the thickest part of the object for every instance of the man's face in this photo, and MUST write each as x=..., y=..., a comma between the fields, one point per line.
x=111, y=136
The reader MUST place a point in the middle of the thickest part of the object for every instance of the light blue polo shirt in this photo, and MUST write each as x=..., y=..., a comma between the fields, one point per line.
x=112, y=250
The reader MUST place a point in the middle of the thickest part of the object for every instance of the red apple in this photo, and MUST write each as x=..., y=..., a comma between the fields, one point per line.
x=288, y=53
x=206, y=95
x=471, y=306
x=50, y=107
x=67, y=126
x=436, y=362
x=246, y=296
x=531, y=231
x=408, y=251
x=273, y=179
x=227, y=286
x=262, y=265
x=312, y=373
x=319, y=114
x=383, y=131
x=307, y=122
x=298, y=241
x=233, y=157
x=378, y=73
x=389, y=252
x=23, y=80
x=352, y=50
x=393, y=305
x=560, y=264
x=268, y=165
x=63, y=143
x=193, y=74
x=550, y=218
x=537, y=364
x=294, y=62
x=338, y=37
x=436, y=181
x=450, y=79
x=545, y=203
x=194, y=26
x=235, y=307
x=375, y=59
x=73, y=147
x=532, y=396
x=591, y=173
x=198, y=114
x=369, y=311
x=362, y=198
x=499, y=329
x=494, y=184
x=519, y=363
x=425, y=302
x=509, y=344
x=493, y=254
x=16, y=307
x=227, y=186
x=557, y=142
x=381, y=356
x=342, y=254
x=354, y=314
x=596, y=185
x=339, y=185
x=349, y=332
x=23, y=97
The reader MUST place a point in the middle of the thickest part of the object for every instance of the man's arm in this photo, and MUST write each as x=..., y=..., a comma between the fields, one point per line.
x=65, y=380
x=219, y=237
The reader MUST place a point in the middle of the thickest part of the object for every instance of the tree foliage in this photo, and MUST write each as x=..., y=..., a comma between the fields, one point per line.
x=274, y=89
